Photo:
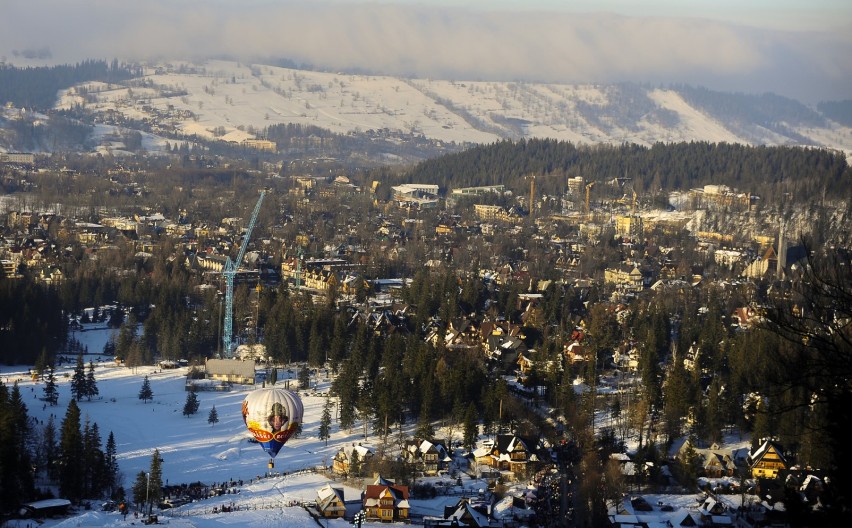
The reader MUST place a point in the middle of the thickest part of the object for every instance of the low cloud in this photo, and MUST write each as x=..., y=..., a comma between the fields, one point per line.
x=450, y=43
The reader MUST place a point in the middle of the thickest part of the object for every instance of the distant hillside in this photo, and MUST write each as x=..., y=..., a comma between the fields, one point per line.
x=231, y=101
x=36, y=88
x=769, y=172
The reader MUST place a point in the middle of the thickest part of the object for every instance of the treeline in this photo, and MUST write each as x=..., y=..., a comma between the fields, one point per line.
x=840, y=111
x=36, y=87
x=31, y=321
x=802, y=174
x=766, y=109
x=70, y=457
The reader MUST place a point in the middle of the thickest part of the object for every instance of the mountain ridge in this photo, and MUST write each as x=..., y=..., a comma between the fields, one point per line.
x=234, y=101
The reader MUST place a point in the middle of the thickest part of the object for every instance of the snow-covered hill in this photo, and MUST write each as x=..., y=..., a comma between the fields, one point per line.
x=233, y=101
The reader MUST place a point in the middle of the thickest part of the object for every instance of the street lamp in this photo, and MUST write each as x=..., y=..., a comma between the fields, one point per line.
x=147, y=487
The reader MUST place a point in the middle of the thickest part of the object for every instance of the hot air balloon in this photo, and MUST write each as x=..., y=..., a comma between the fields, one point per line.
x=272, y=416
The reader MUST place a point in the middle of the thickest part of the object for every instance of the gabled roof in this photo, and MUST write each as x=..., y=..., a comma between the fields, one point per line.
x=768, y=446
x=468, y=516
x=375, y=492
x=330, y=499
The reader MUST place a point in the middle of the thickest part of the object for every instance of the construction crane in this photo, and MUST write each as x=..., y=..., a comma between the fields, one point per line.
x=588, y=190
x=532, y=195
x=230, y=272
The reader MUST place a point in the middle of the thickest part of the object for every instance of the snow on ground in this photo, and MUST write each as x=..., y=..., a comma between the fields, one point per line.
x=194, y=450
x=216, y=97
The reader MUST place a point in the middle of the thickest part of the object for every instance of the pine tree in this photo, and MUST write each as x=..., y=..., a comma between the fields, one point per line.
x=304, y=377
x=471, y=427
x=91, y=383
x=273, y=376
x=155, y=484
x=94, y=460
x=355, y=464
x=111, y=467
x=78, y=380
x=145, y=393
x=325, y=421
x=51, y=394
x=49, y=448
x=41, y=363
x=71, y=469
x=140, y=490
x=213, y=417
x=192, y=404
x=16, y=481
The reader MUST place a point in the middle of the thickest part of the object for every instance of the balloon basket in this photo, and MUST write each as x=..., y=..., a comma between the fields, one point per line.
x=271, y=464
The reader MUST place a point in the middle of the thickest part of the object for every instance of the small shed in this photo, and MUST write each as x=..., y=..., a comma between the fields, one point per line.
x=45, y=508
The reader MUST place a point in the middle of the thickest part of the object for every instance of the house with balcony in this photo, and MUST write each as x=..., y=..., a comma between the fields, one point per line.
x=342, y=464
x=768, y=460
x=385, y=501
x=431, y=457
x=330, y=504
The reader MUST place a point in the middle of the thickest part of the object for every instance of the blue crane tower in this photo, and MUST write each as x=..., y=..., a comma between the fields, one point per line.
x=229, y=272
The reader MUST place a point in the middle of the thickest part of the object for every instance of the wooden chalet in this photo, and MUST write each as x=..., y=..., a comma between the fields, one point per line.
x=767, y=461
x=330, y=504
x=513, y=453
x=342, y=462
x=431, y=457
x=385, y=501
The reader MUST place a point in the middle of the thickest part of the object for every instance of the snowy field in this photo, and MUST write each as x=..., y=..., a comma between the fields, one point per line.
x=193, y=450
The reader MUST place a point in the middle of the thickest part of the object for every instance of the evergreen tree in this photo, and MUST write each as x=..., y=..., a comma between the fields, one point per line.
x=16, y=481
x=355, y=464
x=213, y=416
x=51, y=394
x=91, y=383
x=346, y=387
x=41, y=363
x=325, y=421
x=471, y=428
x=71, y=460
x=48, y=449
x=145, y=393
x=425, y=430
x=111, y=476
x=94, y=460
x=273, y=376
x=155, y=484
x=140, y=490
x=192, y=404
x=78, y=380
x=304, y=377
x=676, y=401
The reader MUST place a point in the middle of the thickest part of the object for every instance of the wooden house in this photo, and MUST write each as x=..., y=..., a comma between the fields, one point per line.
x=767, y=460
x=330, y=504
x=385, y=501
x=513, y=453
x=431, y=457
x=342, y=462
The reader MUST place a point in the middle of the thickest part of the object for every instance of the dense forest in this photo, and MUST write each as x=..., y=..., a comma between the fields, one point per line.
x=772, y=173
x=36, y=87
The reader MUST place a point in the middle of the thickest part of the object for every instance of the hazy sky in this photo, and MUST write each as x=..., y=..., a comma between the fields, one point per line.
x=796, y=48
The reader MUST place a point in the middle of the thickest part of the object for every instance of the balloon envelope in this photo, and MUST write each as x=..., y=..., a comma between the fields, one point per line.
x=272, y=416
